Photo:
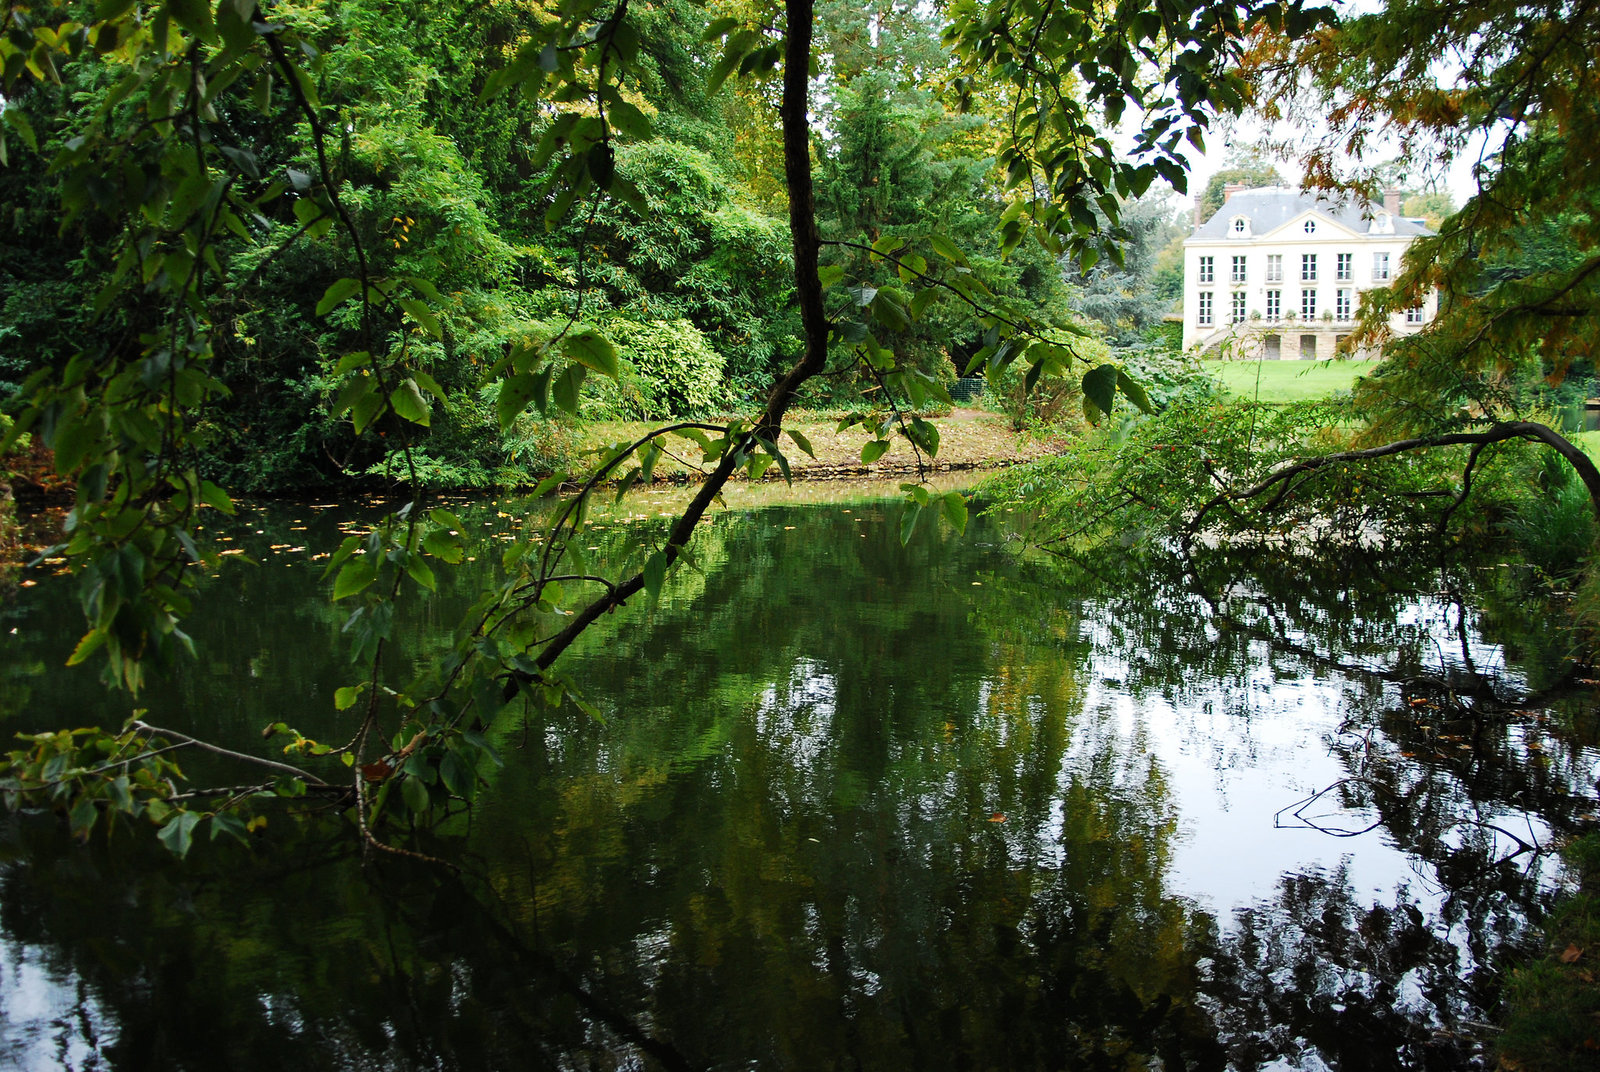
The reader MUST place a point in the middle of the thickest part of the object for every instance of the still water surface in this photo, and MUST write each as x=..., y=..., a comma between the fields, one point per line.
x=853, y=805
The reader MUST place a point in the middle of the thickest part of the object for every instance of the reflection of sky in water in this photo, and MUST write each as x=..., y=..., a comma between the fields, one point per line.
x=1241, y=756
x=47, y=1015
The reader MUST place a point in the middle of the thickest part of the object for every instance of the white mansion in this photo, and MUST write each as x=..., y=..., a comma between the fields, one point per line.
x=1279, y=274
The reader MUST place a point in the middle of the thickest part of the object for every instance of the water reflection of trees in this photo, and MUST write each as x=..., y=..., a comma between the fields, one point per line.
x=1369, y=986
x=875, y=829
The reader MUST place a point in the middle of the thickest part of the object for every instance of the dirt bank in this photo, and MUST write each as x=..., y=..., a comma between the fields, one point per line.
x=969, y=439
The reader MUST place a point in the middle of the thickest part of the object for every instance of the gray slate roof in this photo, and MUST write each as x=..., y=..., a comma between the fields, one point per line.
x=1270, y=207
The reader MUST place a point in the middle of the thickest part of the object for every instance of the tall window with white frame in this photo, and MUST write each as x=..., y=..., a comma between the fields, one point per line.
x=1344, y=267
x=1237, y=315
x=1274, y=267
x=1308, y=305
x=1208, y=269
x=1414, y=315
x=1274, y=305
x=1308, y=267
x=1342, y=304
x=1204, y=319
x=1380, y=267
x=1237, y=274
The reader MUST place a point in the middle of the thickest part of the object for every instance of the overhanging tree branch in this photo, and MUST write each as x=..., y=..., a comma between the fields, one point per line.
x=1281, y=479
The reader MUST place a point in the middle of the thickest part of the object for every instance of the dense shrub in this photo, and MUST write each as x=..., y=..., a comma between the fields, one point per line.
x=669, y=369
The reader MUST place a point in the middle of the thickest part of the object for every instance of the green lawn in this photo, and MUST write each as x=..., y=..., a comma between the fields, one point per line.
x=1287, y=381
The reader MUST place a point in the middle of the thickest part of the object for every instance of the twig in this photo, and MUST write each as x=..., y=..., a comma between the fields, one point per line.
x=206, y=746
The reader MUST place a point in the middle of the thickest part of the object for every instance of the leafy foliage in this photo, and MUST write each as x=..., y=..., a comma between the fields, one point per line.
x=1150, y=480
x=341, y=211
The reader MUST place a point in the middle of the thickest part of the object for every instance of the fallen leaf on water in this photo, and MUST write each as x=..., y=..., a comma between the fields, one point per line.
x=997, y=817
x=376, y=772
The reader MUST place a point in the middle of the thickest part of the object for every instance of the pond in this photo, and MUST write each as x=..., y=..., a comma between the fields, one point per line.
x=852, y=805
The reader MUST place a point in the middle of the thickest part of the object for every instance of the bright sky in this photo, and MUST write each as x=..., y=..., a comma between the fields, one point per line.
x=1457, y=179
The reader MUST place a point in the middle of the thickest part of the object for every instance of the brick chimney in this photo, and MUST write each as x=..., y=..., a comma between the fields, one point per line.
x=1230, y=189
x=1391, y=200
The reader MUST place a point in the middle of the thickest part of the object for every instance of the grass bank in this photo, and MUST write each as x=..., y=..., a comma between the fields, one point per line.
x=1287, y=381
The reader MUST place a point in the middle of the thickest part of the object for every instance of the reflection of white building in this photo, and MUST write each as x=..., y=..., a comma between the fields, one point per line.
x=1279, y=274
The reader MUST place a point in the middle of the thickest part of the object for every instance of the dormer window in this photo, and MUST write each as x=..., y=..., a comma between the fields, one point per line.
x=1241, y=226
x=1311, y=227
x=1382, y=223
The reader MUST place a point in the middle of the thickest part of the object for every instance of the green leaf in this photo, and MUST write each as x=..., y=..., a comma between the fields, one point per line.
x=549, y=484
x=873, y=450
x=567, y=386
x=655, y=574
x=17, y=120
x=423, y=316
x=443, y=546
x=829, y=274
x=723, y=68
x=478, y=741
x=802, y=442
x=947, y=249
x=1100, y=387
x=954, y=505
x=178, y=834
x=194, y=16
x=629, y=120
x=356, y=576
x=415, y=794
x=1134, y=392
x=426, y=288
x=81, y=818
x=590, y=348
x=215, y=497
x=367, y=408
x=347, y=363
x=457, y=776
x=225, y=822
x=345, y=698
x=352, y=393
x=719, y=28
x=890, y=311
x=419, y=571
x=908, y=521
x=91, y=642
x=887, y=244
x=429, y=384
x=408, y=403
x=515, y=394
x=338, y=292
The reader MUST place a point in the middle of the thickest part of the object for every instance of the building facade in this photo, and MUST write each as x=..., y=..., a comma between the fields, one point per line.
x=1279, y=274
